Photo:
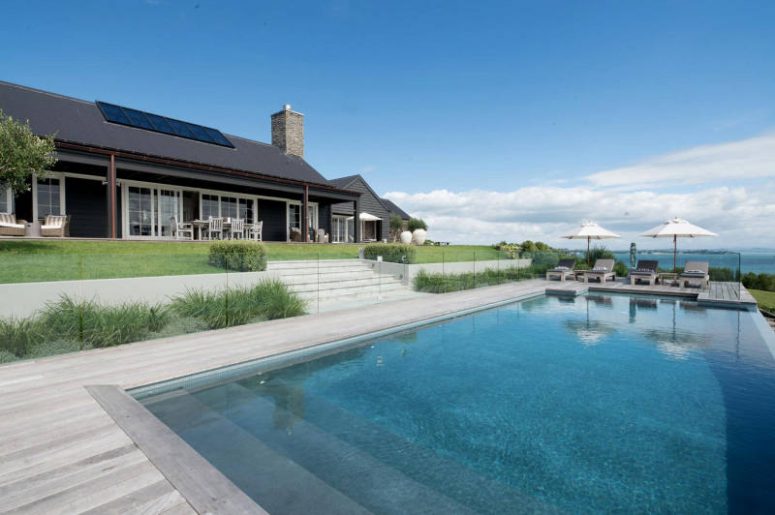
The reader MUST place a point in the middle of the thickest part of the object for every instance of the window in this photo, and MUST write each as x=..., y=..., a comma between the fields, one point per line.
x=246, y=210
x=6, y=200
x=49, y=200
x=210, y=207
x=229, y=207
x=294, y=215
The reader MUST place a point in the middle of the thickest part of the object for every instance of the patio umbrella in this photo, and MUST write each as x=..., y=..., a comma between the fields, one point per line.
x=591, y=231
x=675, y=228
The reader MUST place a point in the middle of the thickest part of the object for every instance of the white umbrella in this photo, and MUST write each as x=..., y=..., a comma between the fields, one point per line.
x=591, y=231
x=675, y=228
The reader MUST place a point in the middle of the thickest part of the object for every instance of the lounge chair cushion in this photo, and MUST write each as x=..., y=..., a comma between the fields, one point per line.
x=561, y=268
x=695, y=272
x=600, y=269
x=645, y=271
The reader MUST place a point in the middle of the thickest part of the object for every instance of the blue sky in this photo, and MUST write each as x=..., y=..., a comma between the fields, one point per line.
x=521, y=99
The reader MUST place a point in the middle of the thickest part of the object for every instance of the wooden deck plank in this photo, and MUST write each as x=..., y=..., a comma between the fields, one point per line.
x=51, y=459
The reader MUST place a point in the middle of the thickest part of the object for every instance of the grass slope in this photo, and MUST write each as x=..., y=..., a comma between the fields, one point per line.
x=766, y=299
x=30, y=261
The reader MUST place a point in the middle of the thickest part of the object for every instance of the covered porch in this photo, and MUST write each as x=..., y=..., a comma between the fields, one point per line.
x=107, y=196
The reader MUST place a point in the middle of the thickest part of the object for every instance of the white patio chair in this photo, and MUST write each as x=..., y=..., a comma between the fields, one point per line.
x=214, y=229
x=181, y=231
x=237, y=229
x=254, y=231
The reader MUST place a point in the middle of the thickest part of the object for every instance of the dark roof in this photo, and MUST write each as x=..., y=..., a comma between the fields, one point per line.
x=343, y=182
x=394, y=209
x=78, y=121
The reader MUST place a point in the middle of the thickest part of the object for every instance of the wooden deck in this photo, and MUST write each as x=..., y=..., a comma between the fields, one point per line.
x=60, y=452
x=719, y=294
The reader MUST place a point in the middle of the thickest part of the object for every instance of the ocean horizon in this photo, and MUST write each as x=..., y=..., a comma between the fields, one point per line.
x=756, y=261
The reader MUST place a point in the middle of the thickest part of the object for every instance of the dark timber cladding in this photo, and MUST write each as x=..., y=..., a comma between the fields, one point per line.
x=368, y=202
x=122, y=147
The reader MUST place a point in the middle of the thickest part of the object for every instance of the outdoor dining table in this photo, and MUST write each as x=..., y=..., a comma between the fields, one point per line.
x=204, y=224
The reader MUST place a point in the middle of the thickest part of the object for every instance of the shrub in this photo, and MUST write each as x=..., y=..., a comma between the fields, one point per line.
x=722, y=274
x=620, y=269
x=765, y=282
x=237, y=306
x=444, y=283
x=391, y=252
x=396, y=226
x=101, y=326
x=239, y=256
x=277, y=301
x=599, y=252
x=19, y=335
x=416, y=223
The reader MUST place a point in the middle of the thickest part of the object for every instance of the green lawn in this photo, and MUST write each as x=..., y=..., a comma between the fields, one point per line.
x=28, y=261
x=766, y=299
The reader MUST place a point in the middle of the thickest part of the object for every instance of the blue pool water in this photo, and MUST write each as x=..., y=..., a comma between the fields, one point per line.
x=599, y=403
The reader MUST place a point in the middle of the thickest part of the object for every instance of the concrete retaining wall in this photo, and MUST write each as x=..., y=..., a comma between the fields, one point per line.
x=24, y=299
x=407, y=273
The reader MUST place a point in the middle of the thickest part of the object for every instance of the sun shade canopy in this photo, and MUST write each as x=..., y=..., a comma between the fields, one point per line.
x=591, y=230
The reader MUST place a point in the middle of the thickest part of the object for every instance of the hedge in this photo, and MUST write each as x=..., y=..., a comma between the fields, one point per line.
x=238, y=256
x=391, y=252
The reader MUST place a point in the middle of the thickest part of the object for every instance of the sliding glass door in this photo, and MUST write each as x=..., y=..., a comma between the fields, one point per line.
x=140, y=211
x=169, y=209
x=152, y=211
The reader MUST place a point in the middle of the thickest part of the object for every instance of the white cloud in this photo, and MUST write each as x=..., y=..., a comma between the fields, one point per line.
x=752, y=158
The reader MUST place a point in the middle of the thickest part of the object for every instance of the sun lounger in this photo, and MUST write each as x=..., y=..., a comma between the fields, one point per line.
x=645, y=271
x=563, y=270
x=695, y=274
x=603, y=269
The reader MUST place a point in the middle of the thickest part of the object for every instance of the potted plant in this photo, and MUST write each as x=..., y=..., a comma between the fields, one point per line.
x=419, y=230
x=406, y=237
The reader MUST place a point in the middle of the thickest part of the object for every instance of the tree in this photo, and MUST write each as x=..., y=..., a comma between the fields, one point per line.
x=417, y=223
x=22, y=153
x=396, y=225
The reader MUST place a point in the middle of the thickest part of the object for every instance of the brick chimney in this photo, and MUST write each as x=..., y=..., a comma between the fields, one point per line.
x=288, y=131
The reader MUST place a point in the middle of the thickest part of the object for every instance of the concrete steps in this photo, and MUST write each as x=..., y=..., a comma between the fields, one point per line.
x=341, y=280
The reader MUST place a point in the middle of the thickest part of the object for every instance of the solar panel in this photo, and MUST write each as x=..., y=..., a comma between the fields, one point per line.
x=154, y=122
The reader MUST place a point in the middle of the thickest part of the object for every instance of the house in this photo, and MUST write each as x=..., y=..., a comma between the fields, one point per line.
x=125, y=173
x=374, y=215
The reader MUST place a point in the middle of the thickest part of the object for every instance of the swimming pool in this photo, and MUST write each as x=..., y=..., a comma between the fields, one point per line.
x=594, y=403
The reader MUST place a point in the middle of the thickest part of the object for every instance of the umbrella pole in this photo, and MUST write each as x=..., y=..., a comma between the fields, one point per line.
x=589, y=239
x=675, y=252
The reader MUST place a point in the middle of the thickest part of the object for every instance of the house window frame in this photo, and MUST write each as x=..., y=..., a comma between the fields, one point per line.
x=313, y=210
x=9, y=199
x=62, y=188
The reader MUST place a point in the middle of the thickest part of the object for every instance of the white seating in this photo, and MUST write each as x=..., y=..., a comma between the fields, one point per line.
x=214, y=229
x=254, y=231
x=181, y=231
x=236, y=228
x=10, y=226
x=55, y=225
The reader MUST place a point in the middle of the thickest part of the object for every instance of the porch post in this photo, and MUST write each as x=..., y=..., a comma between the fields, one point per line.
x=112, y=218
x=357, y=221
x=305, y=214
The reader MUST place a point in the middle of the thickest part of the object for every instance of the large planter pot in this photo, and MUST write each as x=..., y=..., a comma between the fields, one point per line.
x=406, y=237
x=419, y=236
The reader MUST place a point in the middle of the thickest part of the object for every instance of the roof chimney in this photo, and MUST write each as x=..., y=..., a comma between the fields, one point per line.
x=288, y=131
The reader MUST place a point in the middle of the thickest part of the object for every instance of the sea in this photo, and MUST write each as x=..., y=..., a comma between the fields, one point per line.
x=759, y=262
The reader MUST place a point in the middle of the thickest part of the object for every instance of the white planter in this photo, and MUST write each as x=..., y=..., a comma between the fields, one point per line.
x=406, y=237
x=419, y=236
